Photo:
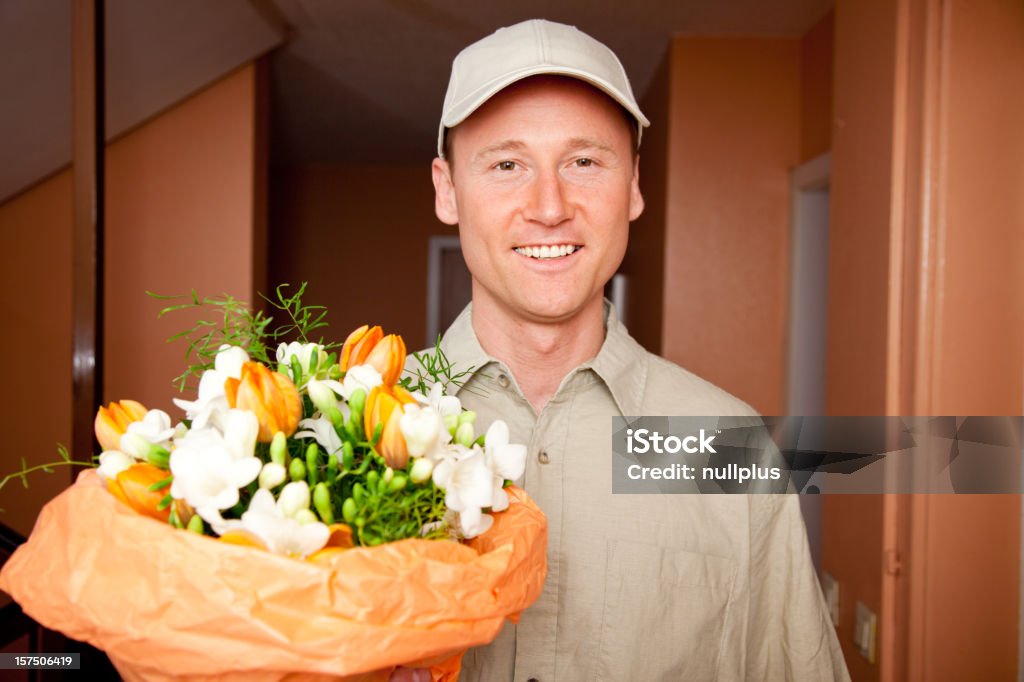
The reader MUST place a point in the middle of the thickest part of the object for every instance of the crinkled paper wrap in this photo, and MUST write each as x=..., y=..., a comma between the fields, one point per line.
x=167, y=604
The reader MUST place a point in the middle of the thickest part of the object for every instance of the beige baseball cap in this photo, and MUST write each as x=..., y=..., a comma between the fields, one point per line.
x=531, y=48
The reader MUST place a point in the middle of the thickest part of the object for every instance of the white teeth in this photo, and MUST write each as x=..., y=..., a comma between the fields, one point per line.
x=547, y=252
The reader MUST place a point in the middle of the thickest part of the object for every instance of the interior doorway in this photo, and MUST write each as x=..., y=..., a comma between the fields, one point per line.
x=808, y=317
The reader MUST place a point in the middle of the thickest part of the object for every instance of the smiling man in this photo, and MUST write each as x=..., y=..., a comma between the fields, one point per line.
x=538, y=166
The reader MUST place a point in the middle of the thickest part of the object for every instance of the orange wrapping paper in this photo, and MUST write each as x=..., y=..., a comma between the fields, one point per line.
x=167, y=604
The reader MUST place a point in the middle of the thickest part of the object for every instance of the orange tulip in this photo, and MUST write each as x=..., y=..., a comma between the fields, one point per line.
x=388, y=358
x=112, y=421
x=381, y=409
x=131, y=486
x=339, y=540
x=270, y=395
x=358, y=346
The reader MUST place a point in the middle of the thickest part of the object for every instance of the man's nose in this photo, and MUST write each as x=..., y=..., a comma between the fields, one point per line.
x=548, y=202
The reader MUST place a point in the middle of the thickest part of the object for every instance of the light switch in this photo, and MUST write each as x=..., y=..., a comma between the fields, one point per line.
x=865, y=632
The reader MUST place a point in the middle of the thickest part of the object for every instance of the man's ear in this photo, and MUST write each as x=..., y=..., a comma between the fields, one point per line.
x=445, y=206
x=636, y=200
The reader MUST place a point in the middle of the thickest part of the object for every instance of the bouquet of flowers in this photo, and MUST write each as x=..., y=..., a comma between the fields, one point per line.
x=315, y=514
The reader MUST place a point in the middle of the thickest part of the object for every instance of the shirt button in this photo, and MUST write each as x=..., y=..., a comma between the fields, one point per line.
x=542, y=457
x=503, y=381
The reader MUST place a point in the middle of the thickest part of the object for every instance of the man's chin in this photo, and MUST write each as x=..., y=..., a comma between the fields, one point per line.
x=562, y=311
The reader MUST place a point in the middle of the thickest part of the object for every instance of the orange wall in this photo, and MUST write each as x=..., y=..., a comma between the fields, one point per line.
x=735, y=136
x=859, y=285
x=180, y=198
x=927, y=167
x=36, y=340
x=979, y=340
x=358, y=234
x=816, y=48
x=180, y=210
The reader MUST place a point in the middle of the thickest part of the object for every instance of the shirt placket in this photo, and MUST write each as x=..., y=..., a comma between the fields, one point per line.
x=536, y=636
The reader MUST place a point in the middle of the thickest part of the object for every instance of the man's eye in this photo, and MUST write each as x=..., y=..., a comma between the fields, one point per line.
x=584, y=162
x=505, y=165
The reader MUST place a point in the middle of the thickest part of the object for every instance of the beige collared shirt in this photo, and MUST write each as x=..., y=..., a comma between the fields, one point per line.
x=644, y=587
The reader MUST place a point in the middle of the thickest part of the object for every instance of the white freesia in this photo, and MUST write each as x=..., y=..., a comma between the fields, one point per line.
x=304, y=353
x=322, y=431
x=458, y=527
x=423, y=430
x=229, y=360
x=443, y=404
x=209, y=466
x=155, y=427
x=281, y=534
x=294, y=498
x=360, y=376
x=324, y=392
x=422, y=469
x=113, y=462
x=505, y=460
x=212, y=402
x=468, y=485
x=153, y=430
x=272, y=475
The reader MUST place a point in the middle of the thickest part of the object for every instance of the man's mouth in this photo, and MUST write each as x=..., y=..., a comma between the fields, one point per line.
x=548, y=252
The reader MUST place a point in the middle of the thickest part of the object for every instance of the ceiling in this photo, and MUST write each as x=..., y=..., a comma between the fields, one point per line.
x=352, y=80
x=364, y=80
x=158, y=53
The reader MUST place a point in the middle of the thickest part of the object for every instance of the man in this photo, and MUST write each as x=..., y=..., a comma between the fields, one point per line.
x=538, y=167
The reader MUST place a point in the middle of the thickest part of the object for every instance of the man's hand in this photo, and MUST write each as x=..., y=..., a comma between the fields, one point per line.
x=410, y=675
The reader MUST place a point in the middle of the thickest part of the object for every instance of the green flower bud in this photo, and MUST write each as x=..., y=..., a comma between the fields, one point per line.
x=304, y=516
x=357, y=401
x=348, y=457
x=312, y=464
x=467, y=417
x=388, y=475
x=279, y=448
x=451, y=422
x=336, y=417
x=322, y=502
x=321, y=395
x=297, y=470
x=464, y=434
x=348, y=510
x=296, y=368
x=332, y=468
x=358, y=492
x=195, y=524
x=372, y=479
x=158, y=457
x=397, y=483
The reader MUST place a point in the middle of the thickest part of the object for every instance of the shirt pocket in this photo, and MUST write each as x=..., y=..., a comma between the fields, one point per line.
x=665, y=613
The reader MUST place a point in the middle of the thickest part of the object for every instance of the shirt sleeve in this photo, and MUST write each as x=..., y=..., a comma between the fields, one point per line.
x=790, y=635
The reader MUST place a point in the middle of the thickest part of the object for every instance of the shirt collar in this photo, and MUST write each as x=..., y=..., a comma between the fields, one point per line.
x=621, y=363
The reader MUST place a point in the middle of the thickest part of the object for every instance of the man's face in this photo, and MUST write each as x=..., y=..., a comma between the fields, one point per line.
x=543, y=185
